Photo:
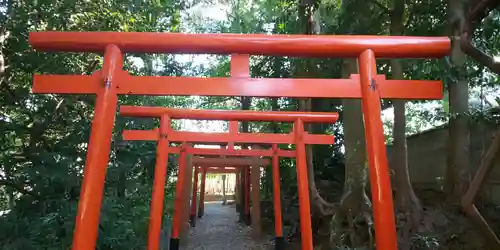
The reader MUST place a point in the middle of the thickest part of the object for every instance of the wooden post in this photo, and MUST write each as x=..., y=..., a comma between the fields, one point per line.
x=178, y=203
x=94, y=175
x=237, y=194
x=194, y=198
x=201, y=208
x=186, y=193
x=224, y=198
x=242, y=196
x=158, y=196
x=303, y=188
x=278, y=223
x=246, y=203
x=380, y=180
x=256, y=217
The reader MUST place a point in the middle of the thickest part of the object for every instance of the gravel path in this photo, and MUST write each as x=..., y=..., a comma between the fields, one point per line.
x=219, y=230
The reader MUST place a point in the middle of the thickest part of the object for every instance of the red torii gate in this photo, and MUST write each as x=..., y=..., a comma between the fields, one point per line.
x=237, y=172
x=217, y=170
x=242, y=198
x=242, y=167
x=275, y=153
x=167, y=134
x=242, y=190
x=237, y=164
x=112, y=80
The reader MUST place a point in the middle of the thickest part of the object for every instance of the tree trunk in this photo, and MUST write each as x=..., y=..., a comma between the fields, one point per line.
x=245, y=105
x=353, y=218
x=309, y=20
x=121, y=186
x=11, y=200
x=457, y=172
x=121, y=153
x=407, y=204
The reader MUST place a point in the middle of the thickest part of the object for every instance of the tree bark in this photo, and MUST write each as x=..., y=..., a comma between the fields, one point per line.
x=355, y=206
x=121, y=152
x=478, y=10
x=457, y=172
x=309, y=21
x=245, y=105
x=407, y=204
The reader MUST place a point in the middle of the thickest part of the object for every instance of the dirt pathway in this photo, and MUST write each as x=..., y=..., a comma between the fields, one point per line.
x=219, y=230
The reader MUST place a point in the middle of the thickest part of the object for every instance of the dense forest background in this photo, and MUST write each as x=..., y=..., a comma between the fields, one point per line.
x=44, y=140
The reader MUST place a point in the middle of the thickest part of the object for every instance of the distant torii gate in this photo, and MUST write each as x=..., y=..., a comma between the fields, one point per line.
x=242, y=196
x=165, y=133
x=237, y=193
x=242, y=164
x=112, y=80
x=220, y=165
x=219, y=170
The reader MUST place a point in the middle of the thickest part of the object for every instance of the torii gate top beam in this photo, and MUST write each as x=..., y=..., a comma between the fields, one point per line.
x=228, y=162
x=229, y=115
x=272, y=45
x=221, y=171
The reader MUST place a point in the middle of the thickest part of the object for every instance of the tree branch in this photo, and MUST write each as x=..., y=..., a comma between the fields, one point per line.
x=218, y=101
x=381, y=6
x=473, y=17
x=18, y=188
x=411, y=14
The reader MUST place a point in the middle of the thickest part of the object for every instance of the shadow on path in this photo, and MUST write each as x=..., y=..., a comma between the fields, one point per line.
x=219, y=230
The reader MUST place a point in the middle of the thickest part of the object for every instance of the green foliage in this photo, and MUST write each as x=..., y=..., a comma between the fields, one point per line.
x=45, y=136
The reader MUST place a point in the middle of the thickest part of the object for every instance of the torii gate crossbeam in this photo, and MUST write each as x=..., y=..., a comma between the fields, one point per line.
x=219, y=170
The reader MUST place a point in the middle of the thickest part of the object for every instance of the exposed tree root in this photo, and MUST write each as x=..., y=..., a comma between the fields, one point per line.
x=320, y=206
x=409, y=216
x=352, y=224
x=323, y=207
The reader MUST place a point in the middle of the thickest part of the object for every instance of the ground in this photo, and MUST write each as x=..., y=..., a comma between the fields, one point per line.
x=219, y=230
